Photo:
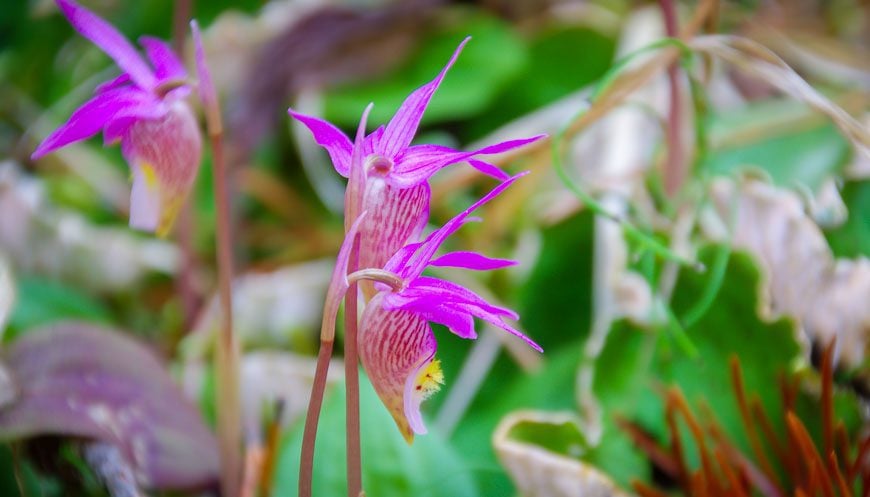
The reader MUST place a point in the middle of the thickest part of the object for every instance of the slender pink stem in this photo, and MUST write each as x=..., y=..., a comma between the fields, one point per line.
x=351, y=379
x=306, y=466
x=227, y=348
x=675, y=168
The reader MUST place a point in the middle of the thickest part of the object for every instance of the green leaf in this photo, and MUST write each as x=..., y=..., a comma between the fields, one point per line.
x=391, y=467
x=562, y=59
x=852, y=239
x=634, y=362
x=490, y=60
x=41, y=301
x=761, y=137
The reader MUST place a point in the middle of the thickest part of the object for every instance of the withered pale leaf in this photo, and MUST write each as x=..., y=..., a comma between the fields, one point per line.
x=761, y=62
x=79, y=380
x=827, y=296
x=538, y=471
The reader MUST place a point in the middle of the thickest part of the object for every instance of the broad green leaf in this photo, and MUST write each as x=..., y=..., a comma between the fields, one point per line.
x=391, y=467
x=762, y=136
x=562, y=59
x=41, y=301
x=852, y=239
x=487, y=64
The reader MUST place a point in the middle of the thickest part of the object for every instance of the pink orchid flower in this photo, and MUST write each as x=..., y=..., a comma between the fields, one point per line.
x=144, y=109
x=396, y=193
x=397, y=346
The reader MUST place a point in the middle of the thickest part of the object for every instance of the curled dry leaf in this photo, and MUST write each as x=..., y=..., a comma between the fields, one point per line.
x=762, y=63
x=83, y=381
x=37, y=237
x=270, y=308
x=539, y=471
x=827, y=296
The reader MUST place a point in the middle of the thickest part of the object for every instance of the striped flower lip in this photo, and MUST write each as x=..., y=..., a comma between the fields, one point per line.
x=144, y=109
x=397, y=347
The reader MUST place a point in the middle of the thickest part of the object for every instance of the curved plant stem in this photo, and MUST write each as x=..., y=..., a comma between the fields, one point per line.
x=227, y=347
x=306, y=466
x=675, y=166
x=351, y=378
x=229, y=418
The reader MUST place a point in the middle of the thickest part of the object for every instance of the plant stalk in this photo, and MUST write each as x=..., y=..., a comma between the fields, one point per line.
x=351, y=378
x=306, y=465
x=227, y=347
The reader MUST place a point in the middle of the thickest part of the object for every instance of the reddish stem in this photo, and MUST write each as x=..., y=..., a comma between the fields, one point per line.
x=351, y=378
x=675, y=169
x=306, y=466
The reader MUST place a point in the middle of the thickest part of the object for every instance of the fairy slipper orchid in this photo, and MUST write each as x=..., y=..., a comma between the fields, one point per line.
x=396, y=192
x=397, y=346
x=143, y=109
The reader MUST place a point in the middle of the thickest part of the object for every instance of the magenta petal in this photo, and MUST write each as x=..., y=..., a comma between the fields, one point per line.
x=419, y=163
x=88, y=119
x=417, y=263
x=471, y=260
x=460, y=322
x=118, y=82
x=488, y=169
x=109, y=40
x=401, y=129
x=329, y=137
x=394, y=346
x=166, y=63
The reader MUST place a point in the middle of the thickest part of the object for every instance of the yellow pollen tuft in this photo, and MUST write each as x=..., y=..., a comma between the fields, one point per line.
x=149, y=174
x=430, y=379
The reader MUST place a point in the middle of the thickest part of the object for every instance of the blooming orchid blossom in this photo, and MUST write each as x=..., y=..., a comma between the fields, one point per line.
x=396, y=192
x=144, y=109
x=397, y=346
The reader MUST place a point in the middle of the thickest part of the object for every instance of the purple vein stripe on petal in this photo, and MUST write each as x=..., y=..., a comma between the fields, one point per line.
x=471, y=260
x=329, y=137
x=109, y=40
x=88, y=119
x=418, y=262
x=166, y=63
x=420, y=162
x=402, y=128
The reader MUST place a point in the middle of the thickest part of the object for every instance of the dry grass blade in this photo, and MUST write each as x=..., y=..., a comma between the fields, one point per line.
x=762, y=63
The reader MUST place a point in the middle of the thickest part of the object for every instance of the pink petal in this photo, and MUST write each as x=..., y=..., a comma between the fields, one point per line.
x=88, y=119
x=166, y=63
x=471, y=260
x=207, y=92
x=168, y=152
x=415, y=265
x=417, y=164
x=393, y=347
x=402, y=128
x=488, y=169
x=329, y=137
x=118, y=82
x=110, y=41
x=396, y=215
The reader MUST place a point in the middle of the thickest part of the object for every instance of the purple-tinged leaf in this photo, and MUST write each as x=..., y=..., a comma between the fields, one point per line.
x=79, y=380
x=109, y=40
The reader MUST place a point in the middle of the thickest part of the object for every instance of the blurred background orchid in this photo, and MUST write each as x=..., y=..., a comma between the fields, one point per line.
x=691, y=247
